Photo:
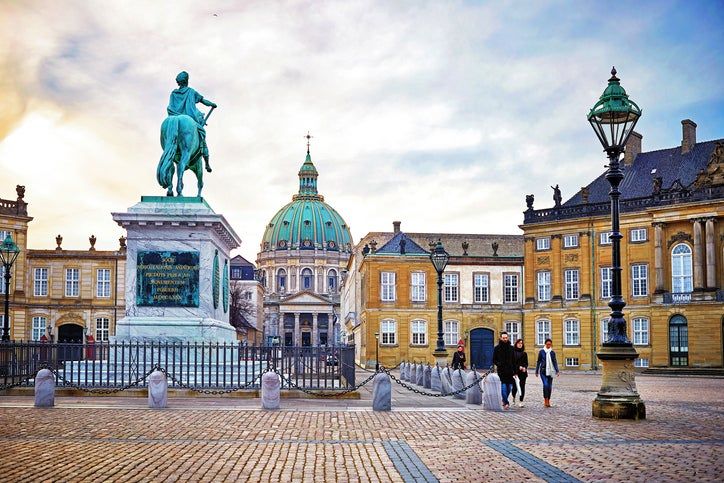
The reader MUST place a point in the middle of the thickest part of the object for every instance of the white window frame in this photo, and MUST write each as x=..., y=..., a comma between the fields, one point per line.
x=572, y=279
x=543, y=243
x=641, y=362
x=451, y=287
x=481, y=288
x=511, y=286
x=606, y=282
x=640, y=326
x=639, y=280
x=604, y=329
x=302, y=276
x=103, y=329
x=512, y=327
x=451, y=332
x=387, y=286
x=604, y=238
x=542, y=331
x=572, y=362
x=40, y=282
x=418, y=332
x=571, y=332
x=103, y=285
x=418, y=289
x=682, y=277
x=543, y=284
x=570, y=240
x=72, y=283
x=638, y=235
x=388, y=332
x=39, y=327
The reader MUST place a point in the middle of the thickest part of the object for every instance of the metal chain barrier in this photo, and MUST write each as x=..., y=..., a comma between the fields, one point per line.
x=15, y=384
x=215, y=392
x=370, y=370
x=478, y=380
x=327, y=395
x=101, y=390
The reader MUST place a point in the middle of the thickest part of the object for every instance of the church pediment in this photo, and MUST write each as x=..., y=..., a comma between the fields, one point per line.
x=305, y=298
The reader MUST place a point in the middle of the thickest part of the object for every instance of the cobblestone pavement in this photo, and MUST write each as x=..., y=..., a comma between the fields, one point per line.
x=422, y=439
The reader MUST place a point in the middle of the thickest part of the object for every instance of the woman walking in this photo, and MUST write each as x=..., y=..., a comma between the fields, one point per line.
x=521, y=370
x=458, y=361
x=546, y=366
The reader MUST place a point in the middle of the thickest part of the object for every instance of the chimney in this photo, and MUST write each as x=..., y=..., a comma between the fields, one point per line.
x=396, y=226
x=633, y=148
x=688, y=135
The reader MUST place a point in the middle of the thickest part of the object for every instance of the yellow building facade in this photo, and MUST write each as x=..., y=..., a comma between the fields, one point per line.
x=395, y=317
x=671, y=257
x=64, y=295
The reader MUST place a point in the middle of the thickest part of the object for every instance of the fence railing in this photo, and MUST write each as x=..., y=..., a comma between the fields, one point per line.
x=190, y=364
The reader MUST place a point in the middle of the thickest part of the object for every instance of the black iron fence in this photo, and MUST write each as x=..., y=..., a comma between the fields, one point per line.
x=190, y=364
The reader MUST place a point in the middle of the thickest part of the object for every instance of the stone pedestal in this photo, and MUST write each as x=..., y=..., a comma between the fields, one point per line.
x=618, y=397
x=440, y=358
x=177, y=271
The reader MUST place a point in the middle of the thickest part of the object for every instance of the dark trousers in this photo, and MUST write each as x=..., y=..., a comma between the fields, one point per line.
x=547, y=385
x=521, y=378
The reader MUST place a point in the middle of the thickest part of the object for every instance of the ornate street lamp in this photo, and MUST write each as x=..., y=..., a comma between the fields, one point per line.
x=8, y=254
x=613, y=118
x=439, y=258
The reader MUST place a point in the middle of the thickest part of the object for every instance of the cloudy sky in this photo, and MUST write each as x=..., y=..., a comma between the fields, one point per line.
x=443, y=115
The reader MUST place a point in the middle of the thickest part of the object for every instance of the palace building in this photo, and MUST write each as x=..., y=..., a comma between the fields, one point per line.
x=672, y=205
x=390, y=295
x=305, y=247
x=63, y=295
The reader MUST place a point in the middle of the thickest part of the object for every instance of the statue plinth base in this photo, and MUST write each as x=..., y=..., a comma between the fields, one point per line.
x=618, y=397
x=441, y=358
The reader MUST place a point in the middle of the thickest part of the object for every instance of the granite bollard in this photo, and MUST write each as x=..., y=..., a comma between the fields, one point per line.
x=435, y=376
x=413, y=374
x=270, y=389
x=445, y=381
x=44, y=389
x=458, y=383
x=381, y=393
x=492, y=398
x=427, y=373
x=405, y=371
x=157, y=390
x=420, y=375
x=473, y=395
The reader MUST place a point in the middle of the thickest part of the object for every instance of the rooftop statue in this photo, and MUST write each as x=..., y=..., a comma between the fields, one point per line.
x=183, y=137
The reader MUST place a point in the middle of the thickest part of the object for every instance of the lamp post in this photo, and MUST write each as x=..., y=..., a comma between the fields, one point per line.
x=613, y=119
x=439, y=258
x=377, y=351
x=8, y=254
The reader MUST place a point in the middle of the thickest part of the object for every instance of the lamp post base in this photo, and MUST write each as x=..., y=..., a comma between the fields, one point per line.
x=618, y=397
x=440, y=358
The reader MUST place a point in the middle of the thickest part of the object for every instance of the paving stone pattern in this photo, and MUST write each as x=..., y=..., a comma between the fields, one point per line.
x=421, y=439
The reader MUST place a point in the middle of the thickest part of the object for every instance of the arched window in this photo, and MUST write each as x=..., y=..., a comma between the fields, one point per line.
x=681, y=279
x=281, y=280
x=332, y=281
x=307, y=279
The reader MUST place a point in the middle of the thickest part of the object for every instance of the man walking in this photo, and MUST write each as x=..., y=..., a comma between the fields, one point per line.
x=504, y=360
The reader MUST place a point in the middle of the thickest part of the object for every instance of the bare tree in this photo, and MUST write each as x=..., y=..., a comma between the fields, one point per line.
x=242, y=305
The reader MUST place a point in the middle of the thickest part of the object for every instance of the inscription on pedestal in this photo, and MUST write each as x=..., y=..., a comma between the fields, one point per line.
x=167, y=279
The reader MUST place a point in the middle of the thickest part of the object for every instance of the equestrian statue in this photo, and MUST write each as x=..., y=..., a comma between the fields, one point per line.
x=183, y=138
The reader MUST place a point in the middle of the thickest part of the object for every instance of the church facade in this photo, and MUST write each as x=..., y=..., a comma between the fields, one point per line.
x=305, y=247
x=672, y=255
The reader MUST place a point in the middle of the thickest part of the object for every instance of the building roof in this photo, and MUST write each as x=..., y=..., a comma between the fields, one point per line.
x=478, y=245
x=307, y=222
x=241, y=261
x=671, y=165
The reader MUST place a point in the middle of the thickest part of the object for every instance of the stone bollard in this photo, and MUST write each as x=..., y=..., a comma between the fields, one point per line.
x=403, y=371
x=492, y=397
x=473, y=395
x=381, y=393
x=270, y=387
x=435, y=377
x=413, y=374
x=427, y=373
x=458, y=383
x=445, y=381
x=157, y=390
x=420, y=375
x=44, y=389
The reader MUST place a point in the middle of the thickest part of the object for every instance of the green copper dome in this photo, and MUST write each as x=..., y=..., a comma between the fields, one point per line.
x=307, y=222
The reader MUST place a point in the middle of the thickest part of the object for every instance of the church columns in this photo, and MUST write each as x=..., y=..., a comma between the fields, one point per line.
x=297, y=330
x=659, y=255
x=698, y=256
x=315, y=332
x=710, y=254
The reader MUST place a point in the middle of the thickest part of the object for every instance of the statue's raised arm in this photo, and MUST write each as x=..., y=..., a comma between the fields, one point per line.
x=183, y=137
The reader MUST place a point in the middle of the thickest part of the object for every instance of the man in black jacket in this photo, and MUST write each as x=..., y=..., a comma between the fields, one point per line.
x=504, y=360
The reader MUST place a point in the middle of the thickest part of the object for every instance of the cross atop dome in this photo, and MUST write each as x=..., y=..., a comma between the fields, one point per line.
x=308, y=138
x=308, y=177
